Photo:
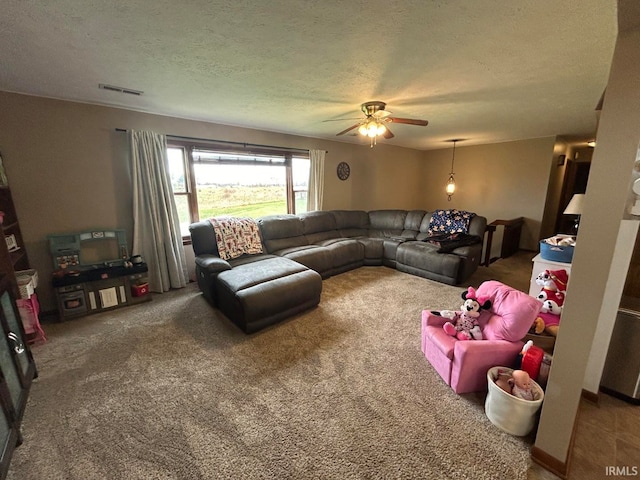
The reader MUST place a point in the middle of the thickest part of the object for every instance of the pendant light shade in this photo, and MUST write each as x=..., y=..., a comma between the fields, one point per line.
x=451, y=183
x=451, y=186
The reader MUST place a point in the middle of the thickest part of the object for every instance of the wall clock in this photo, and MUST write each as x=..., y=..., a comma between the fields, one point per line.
x=343, y=170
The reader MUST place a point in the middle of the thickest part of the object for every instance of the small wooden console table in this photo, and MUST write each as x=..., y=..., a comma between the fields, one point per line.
x=510, y=239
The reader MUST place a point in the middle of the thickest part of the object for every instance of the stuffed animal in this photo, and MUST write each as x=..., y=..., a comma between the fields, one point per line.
x=552, y=301
x=521, y=385
x=552, y=294
x=504, y=381
x=538, y=326
x=551, y=310
x=464, y=324
x=555, y=280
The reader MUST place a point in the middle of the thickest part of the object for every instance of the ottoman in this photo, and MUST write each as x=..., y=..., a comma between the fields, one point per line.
x=259, y=294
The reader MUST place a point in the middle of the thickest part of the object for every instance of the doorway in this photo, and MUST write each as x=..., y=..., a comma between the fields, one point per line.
x=575, y=181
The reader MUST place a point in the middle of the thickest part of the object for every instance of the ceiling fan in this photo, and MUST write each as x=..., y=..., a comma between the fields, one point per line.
x=373, y=124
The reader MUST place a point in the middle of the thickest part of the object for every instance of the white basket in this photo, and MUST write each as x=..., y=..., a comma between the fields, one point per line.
x=509, y=413
x=27, y=282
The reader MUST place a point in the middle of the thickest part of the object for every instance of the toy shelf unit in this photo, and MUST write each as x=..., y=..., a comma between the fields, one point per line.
x=94, y=273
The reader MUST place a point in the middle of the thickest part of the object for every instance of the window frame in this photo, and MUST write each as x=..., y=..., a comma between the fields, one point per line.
x=188, y=148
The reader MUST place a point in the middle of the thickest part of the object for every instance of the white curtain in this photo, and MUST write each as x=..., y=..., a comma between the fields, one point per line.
x=316, y=180
x=156, y=228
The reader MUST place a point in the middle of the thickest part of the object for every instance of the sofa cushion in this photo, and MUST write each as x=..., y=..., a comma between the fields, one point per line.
x=281, y=231
x=373, y=247
x=314, y=257
x=424, y=256
x=314, y=222
x=511, y=314
x=345, y=252
x=347, y=219
x=273, y=227
x=413, y=220
x=387, y=221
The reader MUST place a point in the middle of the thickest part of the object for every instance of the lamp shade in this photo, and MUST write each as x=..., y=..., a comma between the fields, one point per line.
x=575, y=205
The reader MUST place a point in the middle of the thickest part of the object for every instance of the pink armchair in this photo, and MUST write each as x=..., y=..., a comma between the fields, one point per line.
x=463, y=365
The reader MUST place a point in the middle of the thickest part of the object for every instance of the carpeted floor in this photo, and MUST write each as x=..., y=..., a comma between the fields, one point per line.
x=171, y=390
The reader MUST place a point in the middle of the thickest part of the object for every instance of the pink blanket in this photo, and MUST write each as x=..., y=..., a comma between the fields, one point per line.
x=236, y=236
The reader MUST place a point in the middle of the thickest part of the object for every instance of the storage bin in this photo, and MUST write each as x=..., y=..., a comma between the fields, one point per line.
x=556, y=253
x=511, y=414
x=27, y=282
x=140, y=290
x=29, y=310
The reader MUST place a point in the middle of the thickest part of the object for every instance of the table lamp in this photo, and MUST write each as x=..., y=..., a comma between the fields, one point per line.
x=575, y=208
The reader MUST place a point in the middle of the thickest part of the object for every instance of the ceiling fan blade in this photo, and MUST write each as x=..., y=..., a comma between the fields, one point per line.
x=388, y=134
x=342, y=119
x=409, y=121
x=348, y=129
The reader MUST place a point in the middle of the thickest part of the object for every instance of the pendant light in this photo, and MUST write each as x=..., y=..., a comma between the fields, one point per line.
x=451, y=183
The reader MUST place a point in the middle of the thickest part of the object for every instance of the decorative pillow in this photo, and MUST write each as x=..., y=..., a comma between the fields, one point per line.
x=236, y=236
x=512, y=312
x=450, y=221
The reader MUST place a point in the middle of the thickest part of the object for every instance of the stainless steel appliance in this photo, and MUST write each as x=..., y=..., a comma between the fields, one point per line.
x=622, y=369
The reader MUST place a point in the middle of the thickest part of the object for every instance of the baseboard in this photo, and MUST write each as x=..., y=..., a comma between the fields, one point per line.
x=590, y=396
x=549, y=462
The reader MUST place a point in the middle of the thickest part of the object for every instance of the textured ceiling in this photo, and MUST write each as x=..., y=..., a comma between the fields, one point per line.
x=484, y=70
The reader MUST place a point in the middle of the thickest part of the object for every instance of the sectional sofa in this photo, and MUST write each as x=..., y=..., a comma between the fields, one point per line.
x=257, y=290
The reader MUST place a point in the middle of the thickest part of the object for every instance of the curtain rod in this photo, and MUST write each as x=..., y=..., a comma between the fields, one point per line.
x=178, y=137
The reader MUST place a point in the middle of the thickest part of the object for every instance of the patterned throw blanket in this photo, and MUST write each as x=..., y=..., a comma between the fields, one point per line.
x=450, y=221
x=236, y=236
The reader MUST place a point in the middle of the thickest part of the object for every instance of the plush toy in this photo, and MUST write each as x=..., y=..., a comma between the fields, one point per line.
x=464, y=324
x=555, y=280
x=538, y=326
x=504, y=381
x=552, y=294
x=521, y=385
x=552, y=303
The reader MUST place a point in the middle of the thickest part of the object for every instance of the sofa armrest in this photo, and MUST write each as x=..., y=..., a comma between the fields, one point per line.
x=473, y=358
x=432, y=320
x=212, y=263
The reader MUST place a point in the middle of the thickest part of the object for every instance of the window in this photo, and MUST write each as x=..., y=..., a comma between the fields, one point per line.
x=209, y=182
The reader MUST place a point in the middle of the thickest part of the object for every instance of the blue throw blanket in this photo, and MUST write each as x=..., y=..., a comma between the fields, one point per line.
x=450, y=221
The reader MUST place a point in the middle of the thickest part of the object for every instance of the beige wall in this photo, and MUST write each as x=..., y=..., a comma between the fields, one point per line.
x=68, y=169
x=498, y=181
x=606, y=196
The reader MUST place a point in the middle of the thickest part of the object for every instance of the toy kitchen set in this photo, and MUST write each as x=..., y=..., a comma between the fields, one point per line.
x=93, y=272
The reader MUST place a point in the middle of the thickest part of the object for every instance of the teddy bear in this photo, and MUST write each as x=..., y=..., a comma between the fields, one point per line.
x=464, y=324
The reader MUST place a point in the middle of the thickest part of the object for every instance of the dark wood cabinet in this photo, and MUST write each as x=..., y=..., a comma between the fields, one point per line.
x=17, y=371
x=13, y=243
x=17, y=367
